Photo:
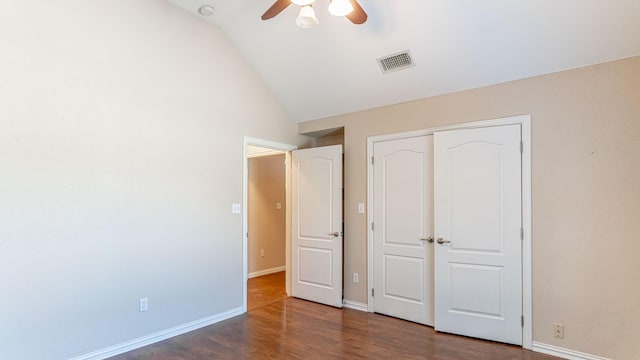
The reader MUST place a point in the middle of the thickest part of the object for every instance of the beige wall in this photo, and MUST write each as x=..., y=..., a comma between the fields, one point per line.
x=585, y=189
x=334, y=138
x=266, y=221
x=113, y=116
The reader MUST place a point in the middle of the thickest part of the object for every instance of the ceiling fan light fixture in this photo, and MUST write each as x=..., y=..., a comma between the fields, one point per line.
x=303, y=2
x=307, y=18
x=340, y=7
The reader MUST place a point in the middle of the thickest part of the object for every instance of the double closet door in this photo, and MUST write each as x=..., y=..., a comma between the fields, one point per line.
x=447, y=219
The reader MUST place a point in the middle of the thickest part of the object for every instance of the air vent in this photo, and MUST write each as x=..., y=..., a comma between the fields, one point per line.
x=395, y=62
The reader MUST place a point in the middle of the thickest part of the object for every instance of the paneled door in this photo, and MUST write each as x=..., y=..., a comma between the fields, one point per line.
x=317, y=225
x=403, y=228
x=478, y=221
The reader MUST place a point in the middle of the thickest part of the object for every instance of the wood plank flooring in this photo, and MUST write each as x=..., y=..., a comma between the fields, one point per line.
x=266, y=289
x=296, y=329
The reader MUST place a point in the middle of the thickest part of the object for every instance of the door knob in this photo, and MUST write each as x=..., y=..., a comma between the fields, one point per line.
x=429, y=239
x=442, y=241
x=336, y=234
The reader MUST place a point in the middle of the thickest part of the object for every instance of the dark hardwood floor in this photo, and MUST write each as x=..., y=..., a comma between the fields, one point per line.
x=277, y=327
x=296, y=329
x=266, y=289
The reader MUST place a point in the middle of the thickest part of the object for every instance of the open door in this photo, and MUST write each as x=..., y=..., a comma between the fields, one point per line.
x=317, y=225
x=478, y=222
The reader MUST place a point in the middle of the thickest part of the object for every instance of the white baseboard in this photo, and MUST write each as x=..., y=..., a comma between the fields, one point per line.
x=355, y=305
x=266, y=271
x=158, y=336
x=563, y=353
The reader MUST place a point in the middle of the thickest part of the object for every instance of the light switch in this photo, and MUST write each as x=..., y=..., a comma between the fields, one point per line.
x=360, y=208
x=235, y=208
x=144, y=304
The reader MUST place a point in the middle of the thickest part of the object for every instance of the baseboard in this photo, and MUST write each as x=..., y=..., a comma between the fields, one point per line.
x=158, y=336
x=355, y=305
x=563, y=353
x=266, y=271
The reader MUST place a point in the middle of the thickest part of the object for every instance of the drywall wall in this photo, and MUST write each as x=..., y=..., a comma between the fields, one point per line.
x=265, y=219
x=585, y=189
x=113, y=118
x=334, y=138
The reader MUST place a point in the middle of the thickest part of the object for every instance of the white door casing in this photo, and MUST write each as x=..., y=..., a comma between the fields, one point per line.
x=478, y=219
x=317, y=225
x=403, y=219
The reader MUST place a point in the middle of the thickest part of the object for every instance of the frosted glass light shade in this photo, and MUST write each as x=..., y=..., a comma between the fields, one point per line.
x=340, y=7
x=307, y=18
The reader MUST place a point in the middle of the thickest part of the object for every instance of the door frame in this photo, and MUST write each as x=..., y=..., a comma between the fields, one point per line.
x=525, y=127
x=287, y=148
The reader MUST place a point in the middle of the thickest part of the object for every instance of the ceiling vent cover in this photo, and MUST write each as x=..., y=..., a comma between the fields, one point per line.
x=395, y=62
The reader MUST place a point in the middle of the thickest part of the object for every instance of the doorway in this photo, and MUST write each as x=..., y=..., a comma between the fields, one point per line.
x=266, y=226
x=266, y=222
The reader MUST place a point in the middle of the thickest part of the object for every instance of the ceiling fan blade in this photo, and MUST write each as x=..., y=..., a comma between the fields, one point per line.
x=276, y=9
x=357, y=16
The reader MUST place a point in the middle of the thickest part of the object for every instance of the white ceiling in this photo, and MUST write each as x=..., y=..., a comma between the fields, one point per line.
x=456, y=45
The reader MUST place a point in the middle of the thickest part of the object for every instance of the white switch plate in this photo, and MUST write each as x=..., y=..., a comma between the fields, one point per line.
x=235, y=208
x=278, y=206
x=144, y=304
x=360, y=208
x=262, y=253
x=356, y=278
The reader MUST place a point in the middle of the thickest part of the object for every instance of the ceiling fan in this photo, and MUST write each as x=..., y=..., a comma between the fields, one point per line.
x=307, y=18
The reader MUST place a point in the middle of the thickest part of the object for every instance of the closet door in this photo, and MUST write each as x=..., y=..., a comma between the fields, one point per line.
x=403, y=228
x=478, y=249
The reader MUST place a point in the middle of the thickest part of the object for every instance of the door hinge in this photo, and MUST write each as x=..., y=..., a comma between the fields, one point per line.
x=521, y=147
x=522, y=321
x=372, y=160
x=521, y=234
x=373, y=292
x=371, y=226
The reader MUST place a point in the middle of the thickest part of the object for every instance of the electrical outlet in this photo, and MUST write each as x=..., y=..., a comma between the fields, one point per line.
x=356, y=278
x=144, y=304
x=278, y=205
x=558, y=331
x=262, y=253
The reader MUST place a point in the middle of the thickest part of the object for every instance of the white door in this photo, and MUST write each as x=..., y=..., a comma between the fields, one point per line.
x=478, y=266
x=317, y=225
x=403, y=228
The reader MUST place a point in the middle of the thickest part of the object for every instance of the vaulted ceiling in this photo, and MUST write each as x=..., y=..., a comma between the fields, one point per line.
x=456, y=45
